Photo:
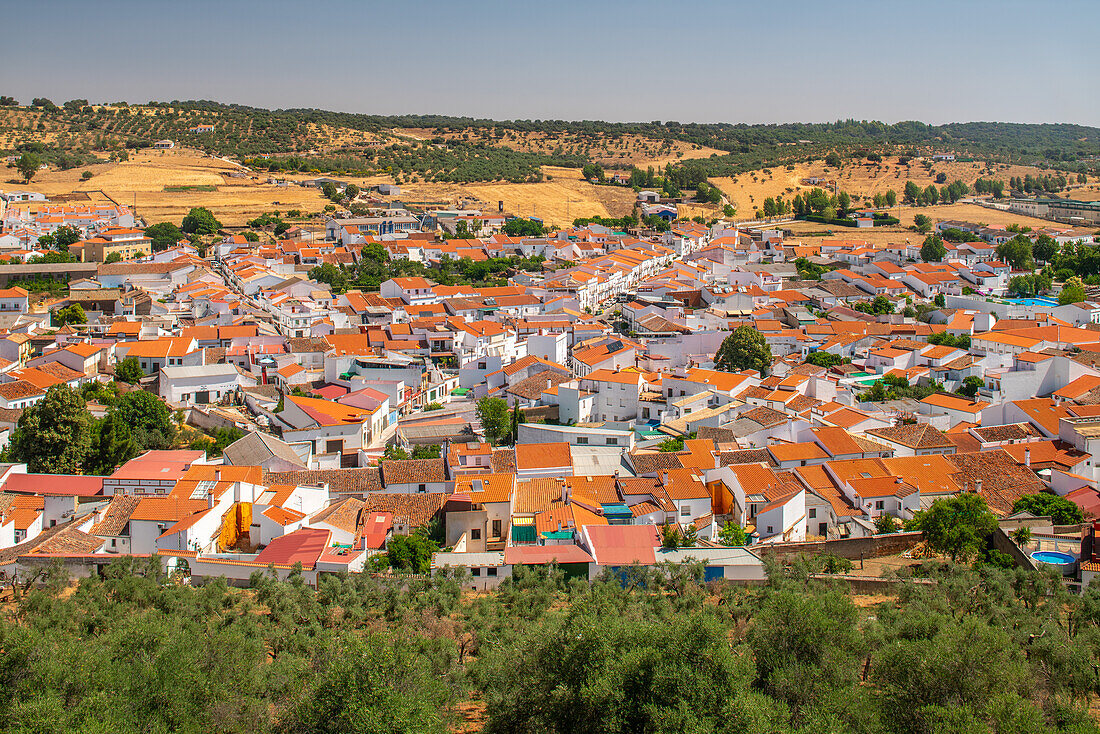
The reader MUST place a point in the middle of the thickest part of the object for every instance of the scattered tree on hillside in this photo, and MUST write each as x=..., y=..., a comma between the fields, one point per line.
x=911, y=193
x=28, y=165
x=593, y=171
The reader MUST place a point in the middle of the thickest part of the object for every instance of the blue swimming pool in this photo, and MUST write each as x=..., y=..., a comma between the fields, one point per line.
x=1054, y=558
x=1033, y=301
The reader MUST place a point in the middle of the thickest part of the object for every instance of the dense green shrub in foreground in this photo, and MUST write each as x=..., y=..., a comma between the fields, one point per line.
x=977, y=650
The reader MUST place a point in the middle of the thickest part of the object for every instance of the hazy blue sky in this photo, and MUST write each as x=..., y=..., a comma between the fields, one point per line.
x=763, y=61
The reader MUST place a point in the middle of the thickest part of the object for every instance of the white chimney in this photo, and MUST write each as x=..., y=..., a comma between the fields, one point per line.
x=978, y=486
x=1027, y=457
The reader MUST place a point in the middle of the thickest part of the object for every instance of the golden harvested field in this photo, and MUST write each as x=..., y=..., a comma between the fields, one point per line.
x=141, y=181
x=561, y=198
x=882, y=236
x=621, y=151
x=1088, y=192
x=558, y=200
x=747, y=191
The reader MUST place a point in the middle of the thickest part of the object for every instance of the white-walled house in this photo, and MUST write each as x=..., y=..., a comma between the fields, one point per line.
x=409, y=290
x=331, y=427
x=201, y=384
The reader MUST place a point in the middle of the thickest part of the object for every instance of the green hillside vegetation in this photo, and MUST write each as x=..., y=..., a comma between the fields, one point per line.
x=247, y=132
x=451, y=162
x=974, y=651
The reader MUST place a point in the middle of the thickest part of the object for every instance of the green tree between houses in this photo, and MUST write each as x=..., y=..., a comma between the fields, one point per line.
x=824, y=359
x=112, y=445
x=1060, y=510
x=933, y=249
x=1073, y=292
x=885, y=524
x=149, y=419
x=164, y=235
x=732, y=534
x=411, y=552
x=956, y=526
x=520, y=227
x=493, y=414
x=1045, y=248
x=129, y=370
x=744, y=349
x=970, y=386
x=65, y=237
x=1017, y=252
x=71, y=314
x=54, y=435
x=200, y=221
